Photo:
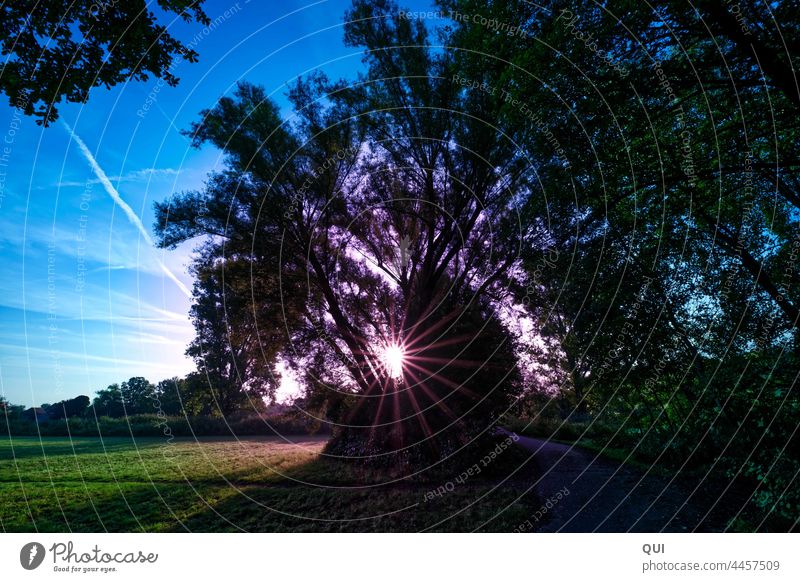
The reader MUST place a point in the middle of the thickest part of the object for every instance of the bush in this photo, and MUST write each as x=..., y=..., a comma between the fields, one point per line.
x=153, y=425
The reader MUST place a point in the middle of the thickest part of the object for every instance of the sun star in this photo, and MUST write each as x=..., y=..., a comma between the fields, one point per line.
x=393, y=357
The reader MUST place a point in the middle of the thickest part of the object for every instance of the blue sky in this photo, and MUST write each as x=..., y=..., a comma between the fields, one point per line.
x=85, y=300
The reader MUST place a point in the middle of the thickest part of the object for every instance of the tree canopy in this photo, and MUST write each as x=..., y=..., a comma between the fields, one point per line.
x=669, y=299
x=59, y=51
x=596, y=202
x=376, y=217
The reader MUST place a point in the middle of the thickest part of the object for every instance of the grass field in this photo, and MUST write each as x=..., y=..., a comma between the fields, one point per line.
x=253, y=484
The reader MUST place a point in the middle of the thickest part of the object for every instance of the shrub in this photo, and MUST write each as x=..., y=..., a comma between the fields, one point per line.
x=154, y=425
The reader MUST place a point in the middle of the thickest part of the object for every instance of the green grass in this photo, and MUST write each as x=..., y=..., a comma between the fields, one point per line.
x=252, y=484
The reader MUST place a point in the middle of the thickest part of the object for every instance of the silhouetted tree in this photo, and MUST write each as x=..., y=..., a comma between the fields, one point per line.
x=380, y=217
x=169, y=396
x=54, y=51
x=137, y=395
x=108, y=402
x=69, y=408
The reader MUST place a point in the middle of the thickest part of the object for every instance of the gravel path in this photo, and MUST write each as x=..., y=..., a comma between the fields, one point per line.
x=582, y=492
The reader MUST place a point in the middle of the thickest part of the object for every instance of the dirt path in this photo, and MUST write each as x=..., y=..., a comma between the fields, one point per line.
x=588, y=493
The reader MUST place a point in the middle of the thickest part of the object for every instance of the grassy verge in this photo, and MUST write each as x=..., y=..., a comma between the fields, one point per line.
x=253, y=484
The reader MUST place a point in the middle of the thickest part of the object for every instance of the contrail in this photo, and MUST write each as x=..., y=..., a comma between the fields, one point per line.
x=132, y=216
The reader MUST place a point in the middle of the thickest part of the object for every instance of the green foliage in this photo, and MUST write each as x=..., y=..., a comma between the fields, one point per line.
x=136, y=395
x=193, y=396
x=55, y=51
x=77, y=406
x=108, y=402
x=750, y=410
x=670, y=305
x=161, y=425
x=740, y=430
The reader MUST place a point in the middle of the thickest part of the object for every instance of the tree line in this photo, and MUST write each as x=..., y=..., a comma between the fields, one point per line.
x=189, y=396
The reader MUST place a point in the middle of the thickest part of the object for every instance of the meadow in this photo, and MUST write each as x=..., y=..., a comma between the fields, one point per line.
x=265, y=484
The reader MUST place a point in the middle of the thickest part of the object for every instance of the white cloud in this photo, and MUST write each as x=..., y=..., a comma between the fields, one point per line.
x=143, y=175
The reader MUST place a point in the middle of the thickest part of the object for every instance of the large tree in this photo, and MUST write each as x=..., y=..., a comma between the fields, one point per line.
x=379, y=224
x=669, y=295
x=70, y=407
x=675, y=224
x=108, y=402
